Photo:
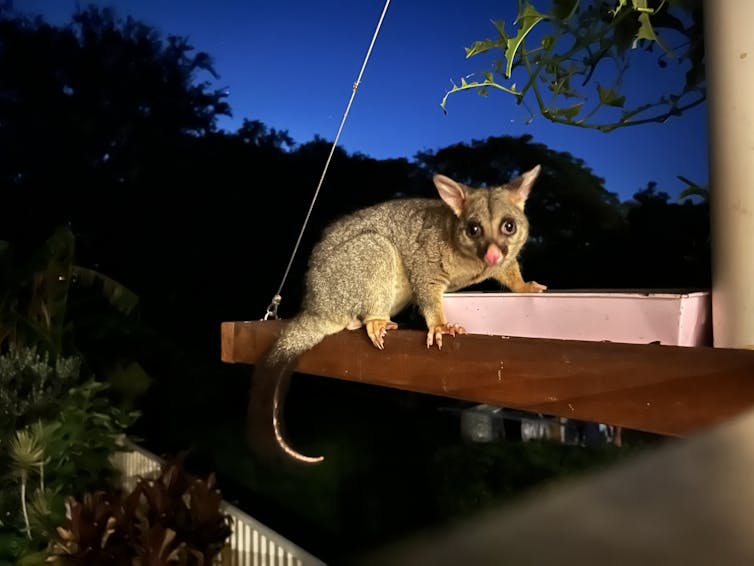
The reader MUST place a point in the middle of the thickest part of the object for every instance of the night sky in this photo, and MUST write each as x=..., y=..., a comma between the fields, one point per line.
x=291, y=64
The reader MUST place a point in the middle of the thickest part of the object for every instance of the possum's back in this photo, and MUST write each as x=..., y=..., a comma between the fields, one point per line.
x=400, y=221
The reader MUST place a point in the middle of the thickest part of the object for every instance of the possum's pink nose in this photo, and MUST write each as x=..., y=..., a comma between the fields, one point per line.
x=493, y=256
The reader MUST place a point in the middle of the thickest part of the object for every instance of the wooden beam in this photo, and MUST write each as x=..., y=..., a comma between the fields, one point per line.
x=667, y=390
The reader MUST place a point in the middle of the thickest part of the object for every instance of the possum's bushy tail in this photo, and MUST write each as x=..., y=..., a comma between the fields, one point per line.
x=269, y=385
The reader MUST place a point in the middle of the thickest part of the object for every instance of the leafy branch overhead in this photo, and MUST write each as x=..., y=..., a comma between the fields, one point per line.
x=574, y=60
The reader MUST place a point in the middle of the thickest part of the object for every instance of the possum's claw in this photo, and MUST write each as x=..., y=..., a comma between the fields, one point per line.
x=377, y=329
x=435, y=333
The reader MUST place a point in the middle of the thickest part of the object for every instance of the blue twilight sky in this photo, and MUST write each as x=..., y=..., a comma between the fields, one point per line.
x=292, y=63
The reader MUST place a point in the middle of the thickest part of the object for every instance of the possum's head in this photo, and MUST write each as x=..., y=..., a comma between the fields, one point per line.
x=491, y=224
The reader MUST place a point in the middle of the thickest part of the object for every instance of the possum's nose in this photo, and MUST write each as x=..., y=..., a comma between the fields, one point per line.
x=494, y=255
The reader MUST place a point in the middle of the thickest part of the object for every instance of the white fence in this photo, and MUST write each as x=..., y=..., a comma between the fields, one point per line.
x=250, y=544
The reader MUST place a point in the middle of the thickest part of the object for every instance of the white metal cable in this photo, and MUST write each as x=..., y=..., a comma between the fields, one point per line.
x=272, y=309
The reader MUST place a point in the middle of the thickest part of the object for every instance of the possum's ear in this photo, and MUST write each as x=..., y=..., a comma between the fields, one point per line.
x=521, y=186
x=452, y=192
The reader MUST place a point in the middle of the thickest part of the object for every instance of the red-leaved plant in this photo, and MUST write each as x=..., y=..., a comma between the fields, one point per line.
x=170, y=520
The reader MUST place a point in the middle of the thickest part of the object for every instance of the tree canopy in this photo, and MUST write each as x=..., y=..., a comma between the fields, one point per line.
x=89, y=108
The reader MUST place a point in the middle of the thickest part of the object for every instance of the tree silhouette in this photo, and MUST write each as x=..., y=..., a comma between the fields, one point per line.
x=258, y=134
x=670, y=240
x=87, y=109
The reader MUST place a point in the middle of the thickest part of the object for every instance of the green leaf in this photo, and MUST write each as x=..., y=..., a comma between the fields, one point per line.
x=481, y=47
x=694, y=192
x=479, y=86
x=118, y=295
x=548, y=42
x=692, y=189
x=11, y=545
x=609, y=97
x=624, y=34
x=562, y=88
x=620, y=5
x=569, y=112
x=33, y=559
x=500, y=27
x=526, y=22
x=564, y=9
x=26, y=452
x=647, y=31
x=51, y=283
x=129, y=381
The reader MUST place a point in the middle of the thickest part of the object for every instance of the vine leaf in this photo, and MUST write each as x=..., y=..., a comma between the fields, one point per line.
x=569, y=112
x=481, y=87
x=529, y=18
x=647, y=31
x=480, y=47
x=609, y=97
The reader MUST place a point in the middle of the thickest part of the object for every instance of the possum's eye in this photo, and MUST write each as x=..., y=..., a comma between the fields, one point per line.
x=473, y=229
x=508, y=226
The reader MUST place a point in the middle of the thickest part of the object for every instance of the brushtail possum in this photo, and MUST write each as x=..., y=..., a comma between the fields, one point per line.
x=372, y=263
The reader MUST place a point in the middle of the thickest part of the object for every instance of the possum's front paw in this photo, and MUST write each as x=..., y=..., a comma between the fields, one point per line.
x=377, y=329
x=435, y=333
x=533, y=287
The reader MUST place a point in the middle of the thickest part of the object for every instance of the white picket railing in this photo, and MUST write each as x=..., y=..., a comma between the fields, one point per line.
x=250, y=544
